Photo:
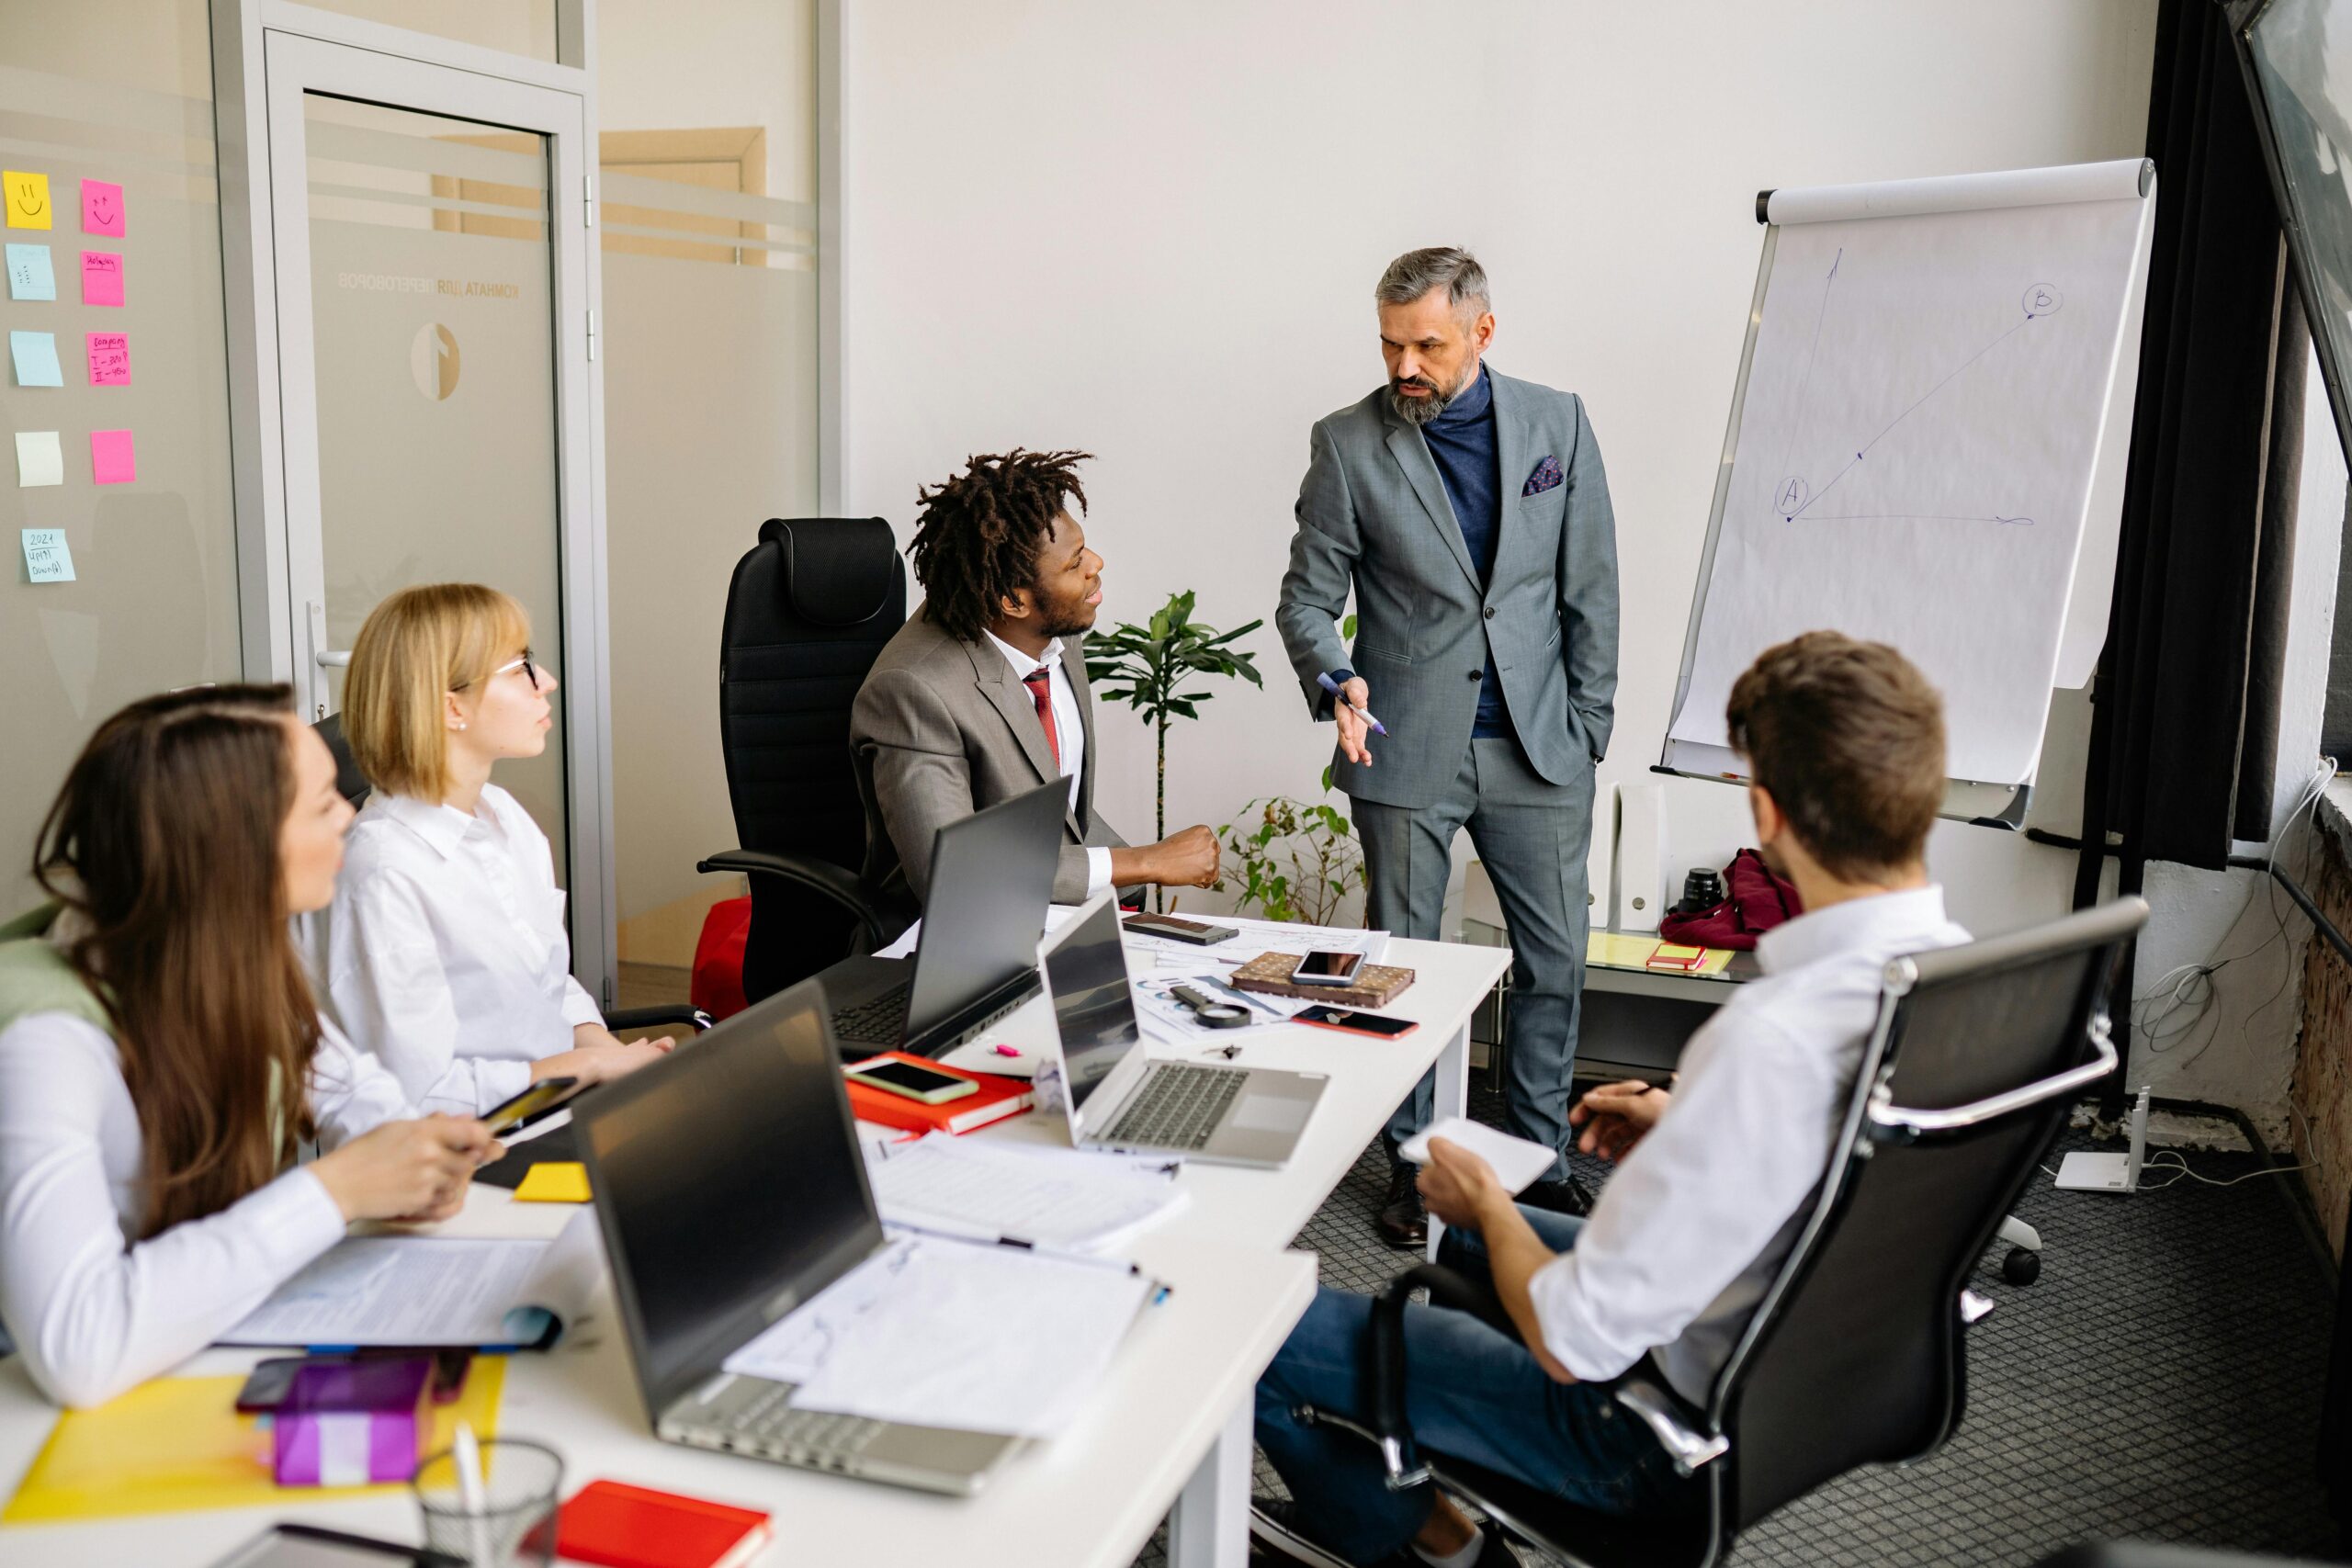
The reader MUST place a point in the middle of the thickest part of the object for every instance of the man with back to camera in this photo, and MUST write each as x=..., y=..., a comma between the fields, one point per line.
x=1468, y=513
x=982, y=694
x=1845, y=744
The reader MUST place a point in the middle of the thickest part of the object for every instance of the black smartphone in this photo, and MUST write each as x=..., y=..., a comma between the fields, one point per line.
x=269, y=1384
x=1325, y=968
x=541, y=1099
x=307, y=1546
x=928, y=1085
x=1370, y=1023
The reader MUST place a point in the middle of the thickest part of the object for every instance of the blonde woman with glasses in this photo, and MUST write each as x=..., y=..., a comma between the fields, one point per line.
x=444, y=952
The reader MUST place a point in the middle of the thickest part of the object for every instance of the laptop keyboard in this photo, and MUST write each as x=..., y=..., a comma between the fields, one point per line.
x=878, y=1020
x=1180, y=1107
x=771, y=1420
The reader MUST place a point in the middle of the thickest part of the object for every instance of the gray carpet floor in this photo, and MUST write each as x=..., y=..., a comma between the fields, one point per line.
x=2161, y=1380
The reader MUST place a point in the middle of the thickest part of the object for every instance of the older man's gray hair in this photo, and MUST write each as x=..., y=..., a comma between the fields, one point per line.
x=1415, y=273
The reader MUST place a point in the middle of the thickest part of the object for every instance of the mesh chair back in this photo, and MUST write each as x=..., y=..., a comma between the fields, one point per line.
x=807, y=612
x=1855, y=1355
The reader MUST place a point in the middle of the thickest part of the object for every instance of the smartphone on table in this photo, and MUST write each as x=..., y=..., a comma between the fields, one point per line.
x=1325, y=967
x=542, y=1099
x=1371, y=1023
x=1198, y=932
x=928, y=1085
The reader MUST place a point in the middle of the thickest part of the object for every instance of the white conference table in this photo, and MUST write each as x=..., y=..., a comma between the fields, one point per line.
x=1168, y=1434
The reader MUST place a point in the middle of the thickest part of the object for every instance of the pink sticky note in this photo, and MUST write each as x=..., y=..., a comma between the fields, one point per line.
x=101, y=277
x=109, y=360
x=101, y=209
x=112, y=462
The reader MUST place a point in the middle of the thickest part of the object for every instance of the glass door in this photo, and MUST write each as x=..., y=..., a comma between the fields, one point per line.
x=435, y=344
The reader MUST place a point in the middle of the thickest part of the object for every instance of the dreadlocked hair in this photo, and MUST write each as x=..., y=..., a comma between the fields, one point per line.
x=980, y=535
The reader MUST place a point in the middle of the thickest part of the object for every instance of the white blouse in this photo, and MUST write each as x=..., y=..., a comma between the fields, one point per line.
x=444, y=952
x=92, y=1311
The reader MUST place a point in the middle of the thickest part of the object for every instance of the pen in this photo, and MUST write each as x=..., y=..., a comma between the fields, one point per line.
x=1332, y=686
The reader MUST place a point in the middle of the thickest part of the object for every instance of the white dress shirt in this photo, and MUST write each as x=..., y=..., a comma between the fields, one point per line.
x=444, y=952
x=1069, y=734
x=92, y=1310
x=1689, y=1233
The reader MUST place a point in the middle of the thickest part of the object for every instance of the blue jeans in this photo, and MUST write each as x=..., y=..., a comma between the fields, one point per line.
x=1470, y=1391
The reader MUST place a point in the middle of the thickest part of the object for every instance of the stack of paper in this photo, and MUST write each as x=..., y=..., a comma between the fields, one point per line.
x=1060, y=1199
x=949, y=1334
x=432, y=1290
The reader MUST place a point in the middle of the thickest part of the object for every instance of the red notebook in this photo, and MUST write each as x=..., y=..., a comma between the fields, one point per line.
x=632, y=1527
x=997, y=1099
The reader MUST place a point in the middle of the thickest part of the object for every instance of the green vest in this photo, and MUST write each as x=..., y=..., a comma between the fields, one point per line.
x=35, y=978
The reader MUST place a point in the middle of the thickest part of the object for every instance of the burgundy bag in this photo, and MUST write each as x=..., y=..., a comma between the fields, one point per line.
x=1758, y=901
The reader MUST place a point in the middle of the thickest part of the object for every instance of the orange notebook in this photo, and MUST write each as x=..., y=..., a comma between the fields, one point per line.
x=634, y=1527
x=997, y=1099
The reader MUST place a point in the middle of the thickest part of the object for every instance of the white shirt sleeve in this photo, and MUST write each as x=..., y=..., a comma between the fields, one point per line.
x=90, y=1315
x=1697, y=1201
x=1097, y=871
x=351, y=1092
x=386, y=987
x=579, y=1007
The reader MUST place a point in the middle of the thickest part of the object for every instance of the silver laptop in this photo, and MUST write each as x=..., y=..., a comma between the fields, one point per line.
x=1118, y=1098
x=731, y=1189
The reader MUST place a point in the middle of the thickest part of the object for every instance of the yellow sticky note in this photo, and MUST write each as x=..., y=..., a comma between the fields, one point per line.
x=554, y=1182
x=27, y=198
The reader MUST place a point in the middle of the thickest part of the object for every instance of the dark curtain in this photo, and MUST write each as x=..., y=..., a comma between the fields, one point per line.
x=2185, y=717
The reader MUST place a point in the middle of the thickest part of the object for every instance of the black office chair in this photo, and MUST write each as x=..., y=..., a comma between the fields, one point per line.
x=1854, y=1355
x=807, y=612
x=353, y=785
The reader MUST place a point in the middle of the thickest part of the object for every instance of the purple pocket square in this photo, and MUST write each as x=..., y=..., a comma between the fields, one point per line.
x=1547, y=475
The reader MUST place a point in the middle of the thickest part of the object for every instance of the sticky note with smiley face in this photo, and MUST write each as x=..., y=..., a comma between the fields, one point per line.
x=102, y=209
x=27, y=198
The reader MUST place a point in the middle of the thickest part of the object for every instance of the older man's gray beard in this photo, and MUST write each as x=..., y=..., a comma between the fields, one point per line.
x=1423, y=409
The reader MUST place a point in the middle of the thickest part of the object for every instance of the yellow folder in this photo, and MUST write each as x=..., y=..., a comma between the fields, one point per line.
x=177, y=1444
x=554, y=1182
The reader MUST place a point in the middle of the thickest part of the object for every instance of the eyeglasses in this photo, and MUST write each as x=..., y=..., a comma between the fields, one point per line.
x=529, y=666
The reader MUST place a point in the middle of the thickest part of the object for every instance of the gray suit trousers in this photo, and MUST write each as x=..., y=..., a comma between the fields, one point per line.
x=1530, y=834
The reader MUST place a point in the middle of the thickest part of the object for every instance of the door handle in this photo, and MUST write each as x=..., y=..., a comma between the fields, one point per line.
x=334, y=659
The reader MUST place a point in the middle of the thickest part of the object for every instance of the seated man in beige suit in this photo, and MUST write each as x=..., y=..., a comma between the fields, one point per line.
x=982, y=694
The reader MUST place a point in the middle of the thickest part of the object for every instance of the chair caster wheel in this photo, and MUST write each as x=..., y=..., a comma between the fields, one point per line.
x=2021, y=1267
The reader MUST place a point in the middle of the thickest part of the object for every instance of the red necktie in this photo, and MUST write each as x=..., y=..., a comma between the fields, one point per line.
x=1039, y=681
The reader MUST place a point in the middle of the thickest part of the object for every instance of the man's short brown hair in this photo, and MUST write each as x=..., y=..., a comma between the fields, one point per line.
x=1849, y=740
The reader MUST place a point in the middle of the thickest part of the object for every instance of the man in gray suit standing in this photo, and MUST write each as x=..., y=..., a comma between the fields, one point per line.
x=1468, y=513
x=982, y=694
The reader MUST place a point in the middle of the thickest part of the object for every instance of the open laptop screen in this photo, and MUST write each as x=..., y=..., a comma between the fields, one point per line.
x=991, y=878
x=1086, y=969
x=729, y=1187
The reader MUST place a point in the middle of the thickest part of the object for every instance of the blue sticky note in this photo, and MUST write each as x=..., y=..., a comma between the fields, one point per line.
x=47, y=557
x=31, y=277
x=36, y=357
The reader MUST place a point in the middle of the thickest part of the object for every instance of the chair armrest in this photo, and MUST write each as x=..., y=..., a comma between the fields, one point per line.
x=843, y=887
x=1384, y=1352
x=1666, y=1417
x=693, y=1018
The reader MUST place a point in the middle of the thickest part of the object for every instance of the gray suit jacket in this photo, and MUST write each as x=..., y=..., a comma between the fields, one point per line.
x=952, y=729
x=1374, y=517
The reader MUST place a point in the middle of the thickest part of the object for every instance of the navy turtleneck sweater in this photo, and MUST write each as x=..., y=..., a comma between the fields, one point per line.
x=1462, y=439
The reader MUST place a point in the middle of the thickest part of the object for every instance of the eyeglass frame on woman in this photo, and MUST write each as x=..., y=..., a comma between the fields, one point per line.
x=526, y=664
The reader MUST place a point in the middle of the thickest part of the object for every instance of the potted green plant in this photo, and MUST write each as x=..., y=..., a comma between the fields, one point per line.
x=1151, y=662
x=1295, y=860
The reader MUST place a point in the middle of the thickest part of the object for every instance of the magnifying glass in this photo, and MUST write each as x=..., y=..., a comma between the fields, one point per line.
x=1214, y=1014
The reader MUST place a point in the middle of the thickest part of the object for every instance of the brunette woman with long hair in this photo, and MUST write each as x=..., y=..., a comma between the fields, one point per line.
x=162, y=1067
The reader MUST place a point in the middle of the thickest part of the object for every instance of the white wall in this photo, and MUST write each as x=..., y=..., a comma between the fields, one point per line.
x=1152, y=234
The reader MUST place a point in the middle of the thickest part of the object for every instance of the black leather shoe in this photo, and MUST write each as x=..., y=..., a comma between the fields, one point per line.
x=1566, y=1196
x=1402, y=1222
